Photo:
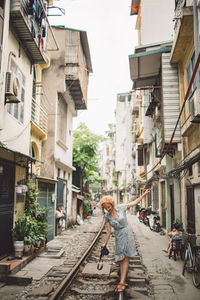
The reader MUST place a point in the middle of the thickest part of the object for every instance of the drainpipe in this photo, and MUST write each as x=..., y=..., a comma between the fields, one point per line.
x=196, y=34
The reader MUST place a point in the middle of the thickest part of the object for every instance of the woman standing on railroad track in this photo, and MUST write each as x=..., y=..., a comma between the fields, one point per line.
x=124, y=240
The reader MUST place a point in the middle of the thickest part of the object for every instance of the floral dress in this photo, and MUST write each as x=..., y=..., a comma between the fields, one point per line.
x=125, y=243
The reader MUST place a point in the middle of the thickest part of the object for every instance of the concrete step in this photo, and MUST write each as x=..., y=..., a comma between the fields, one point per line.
x=137, y=282
x=105, y=291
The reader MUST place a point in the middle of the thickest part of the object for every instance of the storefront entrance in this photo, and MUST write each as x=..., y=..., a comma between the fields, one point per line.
x=45, y=200
x=190, y=210
x=7, y=182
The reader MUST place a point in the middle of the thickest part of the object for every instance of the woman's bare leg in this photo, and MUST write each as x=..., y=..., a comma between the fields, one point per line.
x=123, y=269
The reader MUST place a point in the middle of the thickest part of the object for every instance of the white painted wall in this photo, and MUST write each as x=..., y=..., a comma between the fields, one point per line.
x=4, y=60
x=124, y=159
x=156, y=21
x=15, y=134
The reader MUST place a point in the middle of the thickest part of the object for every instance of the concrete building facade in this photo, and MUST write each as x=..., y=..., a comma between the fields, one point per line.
x=65, y=83
x=17, y=60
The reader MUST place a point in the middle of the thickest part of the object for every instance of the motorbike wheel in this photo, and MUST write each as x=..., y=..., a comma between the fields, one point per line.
x=158, y=228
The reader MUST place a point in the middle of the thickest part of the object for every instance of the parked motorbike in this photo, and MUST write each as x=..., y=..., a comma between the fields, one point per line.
x=140, y=214
x=154, y=221
x=145, y=214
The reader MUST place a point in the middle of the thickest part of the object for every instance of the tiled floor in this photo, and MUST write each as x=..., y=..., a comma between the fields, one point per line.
x=13, y=263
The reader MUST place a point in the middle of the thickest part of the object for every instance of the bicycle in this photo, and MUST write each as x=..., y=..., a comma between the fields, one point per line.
x=192, y=258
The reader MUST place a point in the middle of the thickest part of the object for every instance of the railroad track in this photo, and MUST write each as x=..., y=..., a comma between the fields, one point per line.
x=81, y=280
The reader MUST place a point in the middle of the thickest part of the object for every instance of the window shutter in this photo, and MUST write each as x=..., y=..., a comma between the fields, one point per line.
x=140, y=157
x=60, y=190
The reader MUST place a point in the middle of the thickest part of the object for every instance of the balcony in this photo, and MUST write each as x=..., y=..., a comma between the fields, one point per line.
x=145, y=65
x=29, y=25
x=39, y=120
x=78, y=66
x=183, y=30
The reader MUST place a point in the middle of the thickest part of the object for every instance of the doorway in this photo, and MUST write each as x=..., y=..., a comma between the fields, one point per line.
x=45, y=200
x=190, y=210
x=7, y=183
x=172, y=204
x=163, y=204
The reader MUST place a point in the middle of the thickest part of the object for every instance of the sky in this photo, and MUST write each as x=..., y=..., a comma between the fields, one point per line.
x=112, y=37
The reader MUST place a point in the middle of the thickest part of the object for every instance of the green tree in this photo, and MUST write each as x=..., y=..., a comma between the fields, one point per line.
x=86, y=155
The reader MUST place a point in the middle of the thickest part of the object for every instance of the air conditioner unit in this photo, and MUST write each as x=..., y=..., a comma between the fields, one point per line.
x=195, y=107
x=12, y=88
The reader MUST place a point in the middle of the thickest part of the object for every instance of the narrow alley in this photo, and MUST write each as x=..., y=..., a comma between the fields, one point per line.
x=99, y=102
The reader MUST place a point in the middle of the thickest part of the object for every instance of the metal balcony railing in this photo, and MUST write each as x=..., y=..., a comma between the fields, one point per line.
x=39, y=116
x=179, y=4
x=30, y=25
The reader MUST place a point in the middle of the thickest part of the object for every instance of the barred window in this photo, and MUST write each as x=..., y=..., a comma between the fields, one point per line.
x=17, y=109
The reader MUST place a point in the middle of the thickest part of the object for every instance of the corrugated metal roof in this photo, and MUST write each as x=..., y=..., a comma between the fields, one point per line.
x=145, y=66
x=170, y=98
x=161, y=50
x=19, y=154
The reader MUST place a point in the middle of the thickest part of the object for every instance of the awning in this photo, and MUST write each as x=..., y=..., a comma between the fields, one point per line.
x=135, y=7
x=46, y=179
x=145, y=67
x=18, y=158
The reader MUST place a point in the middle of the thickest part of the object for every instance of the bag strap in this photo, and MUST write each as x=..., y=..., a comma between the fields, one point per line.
x=100, y=264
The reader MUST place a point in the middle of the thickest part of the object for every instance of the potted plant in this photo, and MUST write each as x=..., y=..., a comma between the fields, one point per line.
x=21, y=233
x=18, y=233
x=28, y=243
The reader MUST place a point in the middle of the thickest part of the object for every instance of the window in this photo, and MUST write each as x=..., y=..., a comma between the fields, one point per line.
x=147, y=157
x=198, y=167
x=62, y=120
x=17, y=109
x=190, y=68
x=140, y=157
x=34, y=83
x=190, y=173
x=1, y=26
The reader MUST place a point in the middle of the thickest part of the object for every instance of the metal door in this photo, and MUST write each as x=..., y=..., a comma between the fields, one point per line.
x=7, y=182
x=46, y=190
x=60, y=193
x=164, y=206
x=172, y=204
x=190, y=210
x=149, y=199
x=155, y=197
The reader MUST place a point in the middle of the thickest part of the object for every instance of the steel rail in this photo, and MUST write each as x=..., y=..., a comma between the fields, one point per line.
x=67, y=281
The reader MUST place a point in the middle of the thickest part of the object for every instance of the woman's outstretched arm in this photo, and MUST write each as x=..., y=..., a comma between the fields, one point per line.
x=136, y=201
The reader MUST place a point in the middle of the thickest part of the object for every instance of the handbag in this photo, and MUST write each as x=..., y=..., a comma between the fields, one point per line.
x=104, y=251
